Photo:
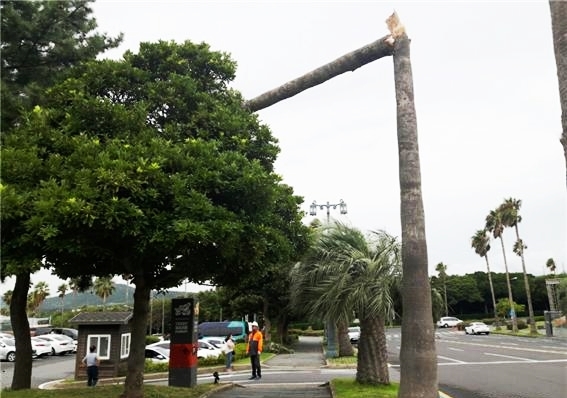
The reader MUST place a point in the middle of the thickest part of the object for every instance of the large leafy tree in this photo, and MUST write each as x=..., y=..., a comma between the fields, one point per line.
x=480, y=242
x=511, y=216
x=40, y=41
x=347, y=272
x=154, y=170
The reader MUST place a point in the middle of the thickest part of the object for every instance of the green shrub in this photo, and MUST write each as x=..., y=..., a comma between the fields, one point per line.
x=520, y=322
x=151, y=339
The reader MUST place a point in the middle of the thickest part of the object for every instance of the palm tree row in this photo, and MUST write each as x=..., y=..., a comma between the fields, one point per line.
x=505, y=216
x=347, y=274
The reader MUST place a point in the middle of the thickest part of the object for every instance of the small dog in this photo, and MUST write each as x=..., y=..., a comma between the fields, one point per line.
x=216, y=376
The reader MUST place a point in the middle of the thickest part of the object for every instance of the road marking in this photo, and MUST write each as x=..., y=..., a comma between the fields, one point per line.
x=508, y=356
x=456, y=349
x=510, y=348
x=498, y=362
x=507, y=343
x=450, y=359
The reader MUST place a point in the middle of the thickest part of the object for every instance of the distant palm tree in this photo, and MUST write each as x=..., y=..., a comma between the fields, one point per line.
x=37, y=296
x=510, y=210
x=550, y=264
x=103, y=288
x=480, y=242
x=346, y=271
x=442, y=271
x=495, y=225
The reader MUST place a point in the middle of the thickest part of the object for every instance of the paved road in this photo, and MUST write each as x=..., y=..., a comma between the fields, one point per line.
x=286, y=375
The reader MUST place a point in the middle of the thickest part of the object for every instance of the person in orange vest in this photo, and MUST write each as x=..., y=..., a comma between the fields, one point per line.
x=254, y=349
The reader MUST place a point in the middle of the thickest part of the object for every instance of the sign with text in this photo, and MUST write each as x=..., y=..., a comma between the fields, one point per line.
x=184, y=345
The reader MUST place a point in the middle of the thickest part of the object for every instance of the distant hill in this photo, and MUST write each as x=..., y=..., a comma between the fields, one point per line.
x=123, y=294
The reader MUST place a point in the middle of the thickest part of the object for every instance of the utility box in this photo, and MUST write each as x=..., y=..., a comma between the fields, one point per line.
x=549, y=316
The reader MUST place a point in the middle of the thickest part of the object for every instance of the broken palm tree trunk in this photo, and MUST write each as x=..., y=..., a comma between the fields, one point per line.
x=418, y=373
x=347, y=63
x=418, y=357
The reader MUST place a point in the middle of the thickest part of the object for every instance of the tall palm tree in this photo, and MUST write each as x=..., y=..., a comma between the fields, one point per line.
x=442, y=271
x=103, y=287
x=480, y=242
x=347, y=272
x=550, y=264
x=62, y=289
x=495, y=225
x=559, y=31
x=418, y=343
x=511, y=217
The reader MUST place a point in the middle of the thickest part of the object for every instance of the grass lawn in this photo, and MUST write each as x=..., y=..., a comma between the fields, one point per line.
x=112, y=391
x=348, y=388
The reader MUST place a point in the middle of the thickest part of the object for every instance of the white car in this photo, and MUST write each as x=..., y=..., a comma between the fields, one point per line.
x=7, y=350
x=60, y=345
x=448, y=322
x=477, y=328
x=218, y=342
x=206, y=349
x=354, y=334
x=157, y=354
x=42, y=347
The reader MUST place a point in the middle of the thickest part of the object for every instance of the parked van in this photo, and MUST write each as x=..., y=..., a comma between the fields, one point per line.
x=238, y=329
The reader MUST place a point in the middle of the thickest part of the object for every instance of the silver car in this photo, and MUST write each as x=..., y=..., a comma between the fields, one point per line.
x=7, y=350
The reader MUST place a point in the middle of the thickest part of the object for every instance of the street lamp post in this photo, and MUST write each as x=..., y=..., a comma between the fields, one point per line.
x=341, y=205
x=331, y=326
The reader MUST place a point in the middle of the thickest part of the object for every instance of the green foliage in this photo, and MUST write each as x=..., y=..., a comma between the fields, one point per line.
x=105, y=391
x=41, y=40
x=503, y=307
x=520, y=322
x=151, y=339
x=349, y=388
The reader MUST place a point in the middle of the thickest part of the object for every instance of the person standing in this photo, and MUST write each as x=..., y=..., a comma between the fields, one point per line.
x=254, y=349
x=92, y=362
x=229, y=351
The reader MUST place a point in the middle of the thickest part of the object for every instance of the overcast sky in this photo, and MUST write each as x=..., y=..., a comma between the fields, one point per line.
x=487, y=103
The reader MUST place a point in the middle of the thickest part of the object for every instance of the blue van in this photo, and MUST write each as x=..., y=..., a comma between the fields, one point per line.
x=238, y=329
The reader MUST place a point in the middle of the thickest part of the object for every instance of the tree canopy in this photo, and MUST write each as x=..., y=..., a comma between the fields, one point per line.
x=150, y=167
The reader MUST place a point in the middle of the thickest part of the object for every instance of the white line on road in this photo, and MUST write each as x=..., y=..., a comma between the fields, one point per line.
x=508, y=356
x=449, y=359
x=455, y=349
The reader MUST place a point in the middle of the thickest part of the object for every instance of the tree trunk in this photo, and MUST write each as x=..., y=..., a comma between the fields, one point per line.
x=21, y=328
x=418, y=377
x=347, y=63
x=533, y=329
x=345, y=347
x=267, y=322
x=372, y=357
x=491, y=289
x=134, y=383
x=510, y=297
x=559, y=31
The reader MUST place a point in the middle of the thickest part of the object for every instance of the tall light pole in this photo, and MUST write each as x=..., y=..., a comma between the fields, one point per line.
x=331, y=325
x=341, y=205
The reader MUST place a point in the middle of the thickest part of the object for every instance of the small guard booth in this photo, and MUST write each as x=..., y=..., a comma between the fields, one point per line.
x=110, y=333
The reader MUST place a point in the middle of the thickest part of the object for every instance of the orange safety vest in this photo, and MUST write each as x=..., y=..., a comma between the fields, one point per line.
x=255, y=343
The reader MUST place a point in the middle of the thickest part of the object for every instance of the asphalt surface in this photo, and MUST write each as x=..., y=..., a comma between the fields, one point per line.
x=308, y=355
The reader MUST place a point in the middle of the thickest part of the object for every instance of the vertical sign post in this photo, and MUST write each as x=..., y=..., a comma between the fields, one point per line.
x=184, y=345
